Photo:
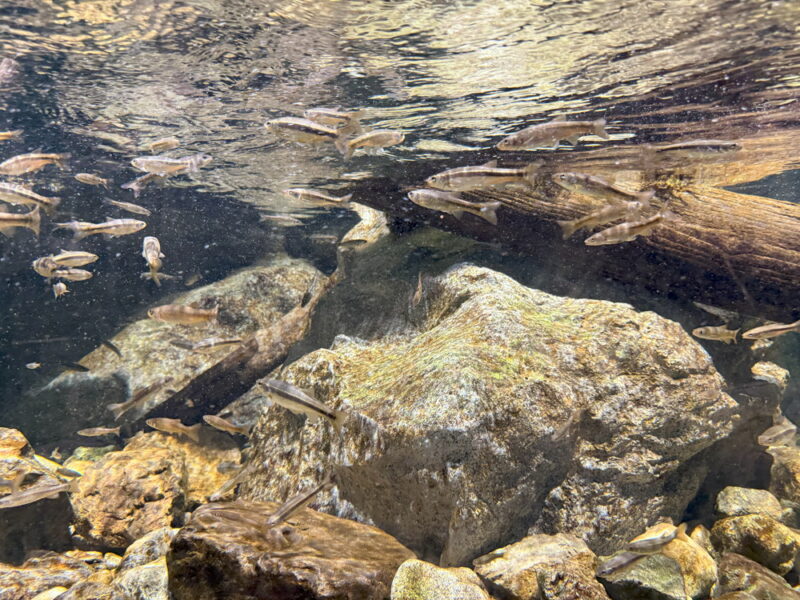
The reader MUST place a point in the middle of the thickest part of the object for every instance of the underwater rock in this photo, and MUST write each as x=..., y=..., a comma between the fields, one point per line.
x=760, y=538
x=249, y=299
x=680, y=570
x=127, y=495
x=312, y=556
x=41, y=525
x=41, y=573
x=420, y=580
x=542, y=566
x=736, y=502
x=93, y=590
x=84, y=457
x=785, y=473
x=507, y=409
x=737, y=573
x=145, y=582
x=147, y=549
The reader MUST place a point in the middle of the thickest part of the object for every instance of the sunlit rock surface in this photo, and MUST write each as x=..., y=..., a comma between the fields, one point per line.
x=737, y=573
x=46, y=571
x=735, y=502
x=43, y=524
x=313, y=556
x=542, y=566
x=145, y=582
x=420, y=580
x=680, y=570
x=760, y=538
x=147, y=549
x=249, y=299
x=508, y=409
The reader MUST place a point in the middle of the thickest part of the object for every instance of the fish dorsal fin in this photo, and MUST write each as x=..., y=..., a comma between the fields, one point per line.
x=491, y=164
x=109, y=219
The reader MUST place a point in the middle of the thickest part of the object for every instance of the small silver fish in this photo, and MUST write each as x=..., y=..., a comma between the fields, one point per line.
x=214, y=343
x=720, y=333
x=304, y=131
x=138, y=398
x=45, y=266
x=695, y=149
x=166, y=166
x=612, y=212
x=464, y=179
x=725, y=315
x=454, y=204
x=129, y=207
x=33, y=365
x=629, y=231
x=378, y=138
x=28, y=163
x=314, y=197
x=111, y=227
x=99, y=431
x=151, y=251
x=74, y=258
x=551, y=133
x=782, y=433
x=770, y=331
x=36, y=493
x=8, y=135
x=10, y=221
x=163, y=144
x=90, y=179
x=138, y=184
x=174, y=426
x=226, y=426
x=343, y=121
x=183, y=315
x=297, y=401
x=17, y=194
x=597, y=187
x=72, y=274
x=655, y=538
x=617, y=563
x=294, y=504
x=59, y=289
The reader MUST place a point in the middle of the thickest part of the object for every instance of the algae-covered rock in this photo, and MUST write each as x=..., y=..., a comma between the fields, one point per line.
x=739, y=574
x=420, y=580
x=681, y=569
x=225, y=552
x=247, y=300
x=507, y=409
x=542, y=566
x=42, y=573
x=147, y=549
x=145, y=582
x=760, y=538
x=41, y=525
x=127, y=495
x=785, y=473
x=736, y=501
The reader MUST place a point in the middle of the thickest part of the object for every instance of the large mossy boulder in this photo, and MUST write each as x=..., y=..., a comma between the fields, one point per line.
x=503, y=410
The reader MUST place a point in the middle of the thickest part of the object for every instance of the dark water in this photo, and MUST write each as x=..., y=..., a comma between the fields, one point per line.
x=99, y=79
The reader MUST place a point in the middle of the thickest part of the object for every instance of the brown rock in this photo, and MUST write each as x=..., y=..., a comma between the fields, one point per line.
x=740, y=574
x=41, y=573
x=14, y=444
x=313, y=556
x=93, y=590
x=737, y=501
x=542, y=567
x=785, y=473
x=128, y=494
x=420, y=580
x=760, y=538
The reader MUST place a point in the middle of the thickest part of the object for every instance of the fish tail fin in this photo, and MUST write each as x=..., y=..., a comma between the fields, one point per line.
x=193, y=432
x=51, y=208
x=531, y=170
x=117, y=410
x=7, y=231
x=489, y=212
x=346, y=199
x=16, y=483
x=62, y=160
x=599, y=127
x=680, y=533
x=35, y=220
x=338, y=420
x=669, y=216
x=645, y=197
x=74, y=485
x=568, y=228
x=215, y=314
x=344, y=147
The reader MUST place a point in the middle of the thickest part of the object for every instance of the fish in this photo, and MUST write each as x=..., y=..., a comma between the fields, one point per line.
x=607, y=214
x=655, y=538
x=110, y=228
x=36, y=493
x=129, y=207
x=33, y=365
x=630, y=230
x=138, y=184
x=770, y=331
x=29, y=220
x=137, y=398
x=166, y=166
x=45, y=266
x=59, y=289
x=304, y=131
x=244, y=471
x=192, y=279
x=183, y=315
x=464, y=179
x=782, y=433
x=8, y=135
x=175, y=426
x=314, y=197
x=90, y=179
x=18, y=194
x=99, y=431
x=416, y=297
x=74, y=258
x=226, y=426
x=108, y=344
x=323, y=238
x=617, y=562
x=214, y=343
x=598, y=187
x=151, y=251
x=72, y=274
x=720, y=333
x=695, y=149
x=65, y=472
x=378, y=138
x=551, y=133
x=71, y=366
x=297, y=401
x=28, y=163
x=343, y=121
x=163, y=144
x=228, y=466
x=284, y=220
x=454, y=204
x=291, y=506
x=725, y=315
